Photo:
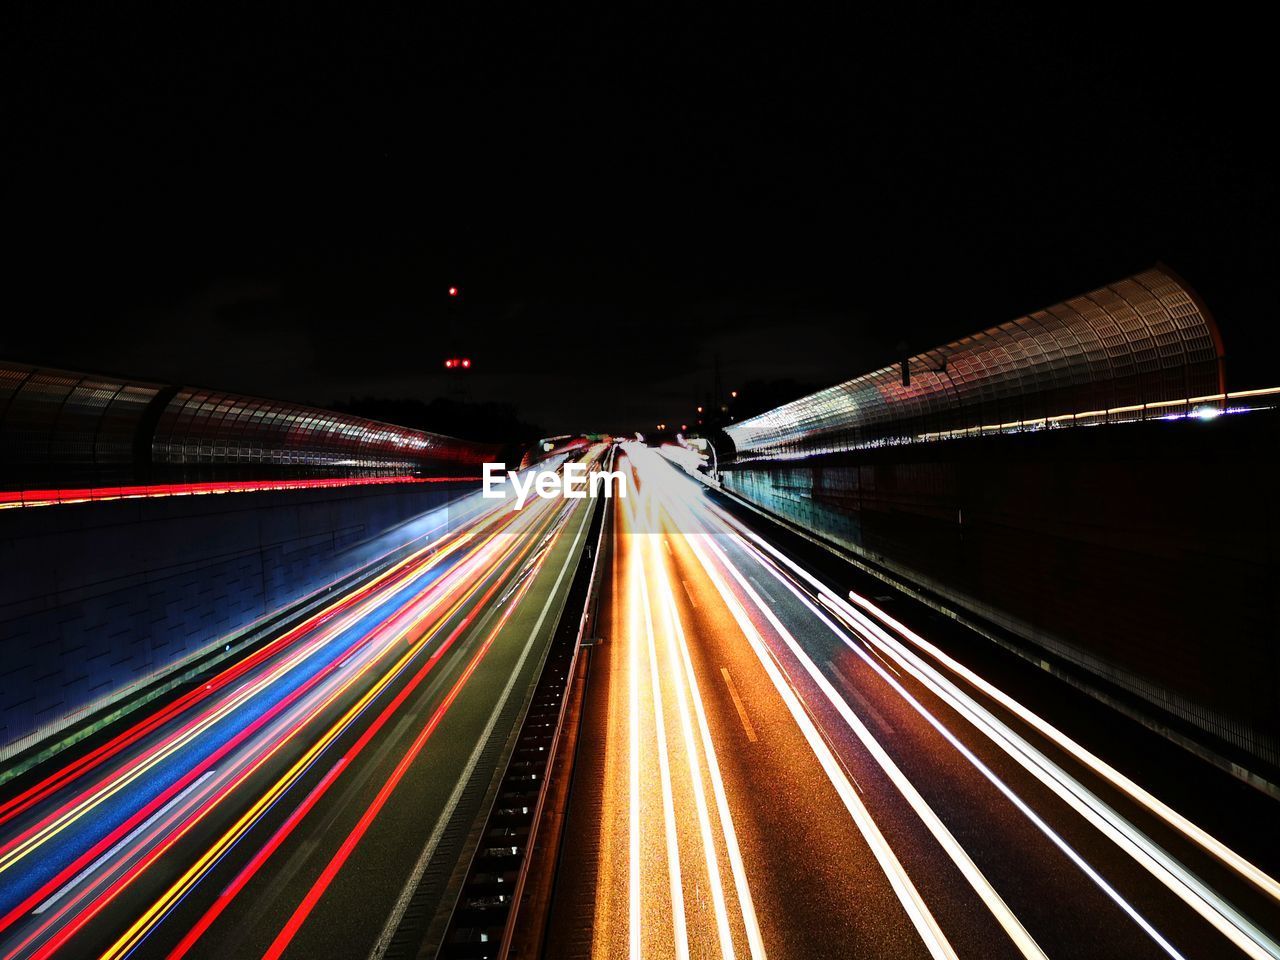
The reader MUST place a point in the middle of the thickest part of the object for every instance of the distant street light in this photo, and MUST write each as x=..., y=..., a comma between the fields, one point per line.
x=733, y=394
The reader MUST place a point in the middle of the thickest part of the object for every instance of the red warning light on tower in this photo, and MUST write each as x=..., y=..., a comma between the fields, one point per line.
x=453, y=291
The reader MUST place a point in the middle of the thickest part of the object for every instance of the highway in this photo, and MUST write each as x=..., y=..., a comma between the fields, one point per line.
x=288, y=804
x=775, y=765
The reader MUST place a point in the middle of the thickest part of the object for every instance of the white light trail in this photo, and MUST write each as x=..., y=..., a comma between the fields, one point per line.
x=917, y=910
x=678, y=925
x=687, y=685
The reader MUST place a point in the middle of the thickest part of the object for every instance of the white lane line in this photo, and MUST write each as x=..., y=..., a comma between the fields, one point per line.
x=120, y=845
x=420, y=867
x=679, y=927
x=739, y=705
x=974, y=876
x=917, y=910
x=689, y=593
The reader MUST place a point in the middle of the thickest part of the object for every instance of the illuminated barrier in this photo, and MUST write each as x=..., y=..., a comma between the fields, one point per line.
x=1136, y=349
x=74, y=432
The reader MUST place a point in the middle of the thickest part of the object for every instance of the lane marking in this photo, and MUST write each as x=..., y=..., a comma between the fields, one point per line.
x=123, y=842
x=738, y=705
x=689, y=593
x=763, y=592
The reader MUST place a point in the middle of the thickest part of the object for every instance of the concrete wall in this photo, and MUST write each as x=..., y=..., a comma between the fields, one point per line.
x=98, y=599
x=1144, y=553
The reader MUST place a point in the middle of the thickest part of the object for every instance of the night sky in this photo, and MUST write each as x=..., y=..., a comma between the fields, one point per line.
x=276, y=202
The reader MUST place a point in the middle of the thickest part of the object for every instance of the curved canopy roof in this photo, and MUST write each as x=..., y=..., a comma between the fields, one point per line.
x=1142, y=340
x=64, y=429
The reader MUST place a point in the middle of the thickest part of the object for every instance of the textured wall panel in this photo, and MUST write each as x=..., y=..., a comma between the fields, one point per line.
x=60, y=429
x=1141, y=340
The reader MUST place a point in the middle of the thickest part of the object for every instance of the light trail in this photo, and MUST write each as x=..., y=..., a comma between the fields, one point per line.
x=1241, y=931
x=469, y=586
x=250, y=869
x=76, y=880
x=678, y=924
x=322, y=883
x=1202, y=838
x=917, y=910
x=348, y=611
x=633, y=723
x=682, y=670
x=1172, y=874
x=1054, y=837
x=246, y=771
x=964, y=863
x=240, y=737
x=209, y=859
x=1199, y=836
